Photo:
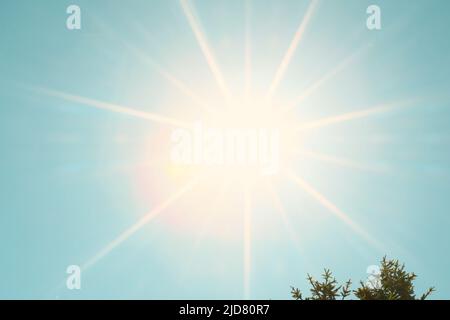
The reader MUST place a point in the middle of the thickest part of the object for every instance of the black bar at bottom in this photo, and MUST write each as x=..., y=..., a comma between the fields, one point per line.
x=206, y=309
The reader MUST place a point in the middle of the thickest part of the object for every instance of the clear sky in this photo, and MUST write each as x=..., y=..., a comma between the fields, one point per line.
x=85, y=123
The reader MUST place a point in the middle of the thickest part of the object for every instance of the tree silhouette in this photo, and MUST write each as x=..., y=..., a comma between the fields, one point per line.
x=392, y=283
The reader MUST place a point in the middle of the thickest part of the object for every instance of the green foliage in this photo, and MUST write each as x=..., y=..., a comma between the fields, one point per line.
x=394, y=283
x=328, y=289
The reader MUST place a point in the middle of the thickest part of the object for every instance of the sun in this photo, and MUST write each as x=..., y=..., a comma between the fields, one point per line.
x=244, y=139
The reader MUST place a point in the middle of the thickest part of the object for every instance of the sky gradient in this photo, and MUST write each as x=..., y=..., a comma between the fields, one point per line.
x=74, y=177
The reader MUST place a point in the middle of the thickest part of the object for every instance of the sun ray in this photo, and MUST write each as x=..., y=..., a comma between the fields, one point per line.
x=181, y=86
x=316, y=85
x=343, y=162
x=114, y=108
x=214, y=210
x=280, y=209
x=204, y=46
x=142, y=222
x=248, y=50
x=247, y=242
x=292, y=48
x=334, y=210
x=108, y=30
x=352, y=115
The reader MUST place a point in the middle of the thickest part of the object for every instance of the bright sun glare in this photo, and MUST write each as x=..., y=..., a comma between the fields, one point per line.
x=270, y=139
x=244, y=140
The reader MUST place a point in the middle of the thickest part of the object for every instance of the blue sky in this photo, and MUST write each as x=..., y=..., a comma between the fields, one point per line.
x=74, y=177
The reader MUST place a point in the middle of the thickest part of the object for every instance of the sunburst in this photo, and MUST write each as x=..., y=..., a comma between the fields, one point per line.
x=248, y=106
